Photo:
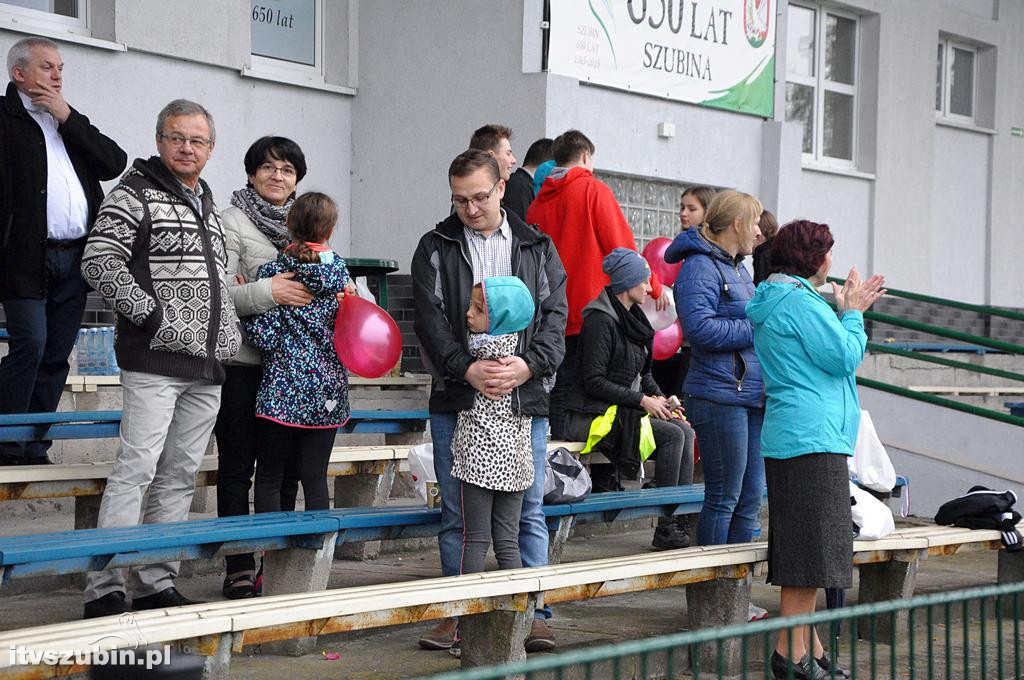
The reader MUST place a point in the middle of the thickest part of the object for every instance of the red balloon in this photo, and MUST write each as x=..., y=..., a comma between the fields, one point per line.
x=366, y=338
x=654, y=253
x=667, y=341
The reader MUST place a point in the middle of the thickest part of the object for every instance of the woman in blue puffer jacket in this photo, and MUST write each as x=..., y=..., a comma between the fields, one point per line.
x=724, y=396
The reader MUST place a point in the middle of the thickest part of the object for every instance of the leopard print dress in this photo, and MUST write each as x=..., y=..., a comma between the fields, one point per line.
x=491, y=446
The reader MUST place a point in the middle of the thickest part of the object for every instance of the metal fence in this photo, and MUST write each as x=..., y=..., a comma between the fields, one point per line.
x=972, y=633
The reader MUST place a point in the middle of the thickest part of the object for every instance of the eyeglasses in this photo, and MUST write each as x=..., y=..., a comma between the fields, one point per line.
x=269, y=169
x=198, y=143
x=463, y=202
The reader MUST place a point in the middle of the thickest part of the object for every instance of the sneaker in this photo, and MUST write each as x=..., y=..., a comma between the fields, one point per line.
x=108, y=605
x=540, y=639
x=442, y=637
x=755, y=613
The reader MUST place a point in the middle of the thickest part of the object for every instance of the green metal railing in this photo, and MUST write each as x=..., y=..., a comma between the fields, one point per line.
x=1009, y=347
x=972, y=633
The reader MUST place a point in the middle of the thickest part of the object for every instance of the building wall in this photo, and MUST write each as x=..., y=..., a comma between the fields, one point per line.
x=429, y=74
x=122, y=93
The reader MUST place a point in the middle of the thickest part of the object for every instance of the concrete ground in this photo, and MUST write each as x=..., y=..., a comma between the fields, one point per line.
x=392, y=653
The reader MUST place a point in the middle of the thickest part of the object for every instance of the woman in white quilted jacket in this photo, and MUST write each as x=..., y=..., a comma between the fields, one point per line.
x=255, y=232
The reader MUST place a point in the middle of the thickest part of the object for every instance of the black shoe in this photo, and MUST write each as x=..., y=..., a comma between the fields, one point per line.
x=240, y=585
x=165, y=598
x=38, y=460
x=804, y=669
x=669, y=536
x=108, y=605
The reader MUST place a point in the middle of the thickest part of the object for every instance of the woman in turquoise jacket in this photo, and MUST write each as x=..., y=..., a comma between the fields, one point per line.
x=809, y=359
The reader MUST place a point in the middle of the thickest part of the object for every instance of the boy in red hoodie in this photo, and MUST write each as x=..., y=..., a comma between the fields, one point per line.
x=581, y=215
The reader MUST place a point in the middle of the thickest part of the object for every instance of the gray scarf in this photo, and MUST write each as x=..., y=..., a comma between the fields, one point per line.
x=268, y=218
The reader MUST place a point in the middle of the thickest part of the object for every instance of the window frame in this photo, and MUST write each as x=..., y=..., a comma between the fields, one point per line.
x=281, y=70
x=47, y=21
x=820, y=85
x=948, y=44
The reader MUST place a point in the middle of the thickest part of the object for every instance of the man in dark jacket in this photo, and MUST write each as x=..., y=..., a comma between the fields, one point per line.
x=51, y=164
x=478, y=241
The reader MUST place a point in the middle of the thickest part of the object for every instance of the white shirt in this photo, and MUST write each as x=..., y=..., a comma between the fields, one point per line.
x=67, y=210
x=490, y=255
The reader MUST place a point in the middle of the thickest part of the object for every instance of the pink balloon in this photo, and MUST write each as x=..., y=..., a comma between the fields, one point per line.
x=667, y=341
x=654, y=253
x=366, y=338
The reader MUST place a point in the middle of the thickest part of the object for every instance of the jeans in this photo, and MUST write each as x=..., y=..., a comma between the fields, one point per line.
x=42, y=334
x=730, y=451
x=533, y=529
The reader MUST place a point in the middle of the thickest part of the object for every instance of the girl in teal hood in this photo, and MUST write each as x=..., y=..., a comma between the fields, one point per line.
x=809, y=358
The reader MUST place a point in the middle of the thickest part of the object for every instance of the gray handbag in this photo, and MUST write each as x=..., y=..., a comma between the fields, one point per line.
x=566, y=480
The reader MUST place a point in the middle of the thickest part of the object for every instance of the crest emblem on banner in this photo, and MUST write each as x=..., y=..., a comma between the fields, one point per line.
x=756, y=14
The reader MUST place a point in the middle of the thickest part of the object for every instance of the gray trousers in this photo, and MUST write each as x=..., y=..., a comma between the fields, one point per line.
x=165, y=428
x=488, y=517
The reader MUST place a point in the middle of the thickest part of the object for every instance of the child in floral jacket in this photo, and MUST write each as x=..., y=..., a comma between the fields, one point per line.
x=304, y=392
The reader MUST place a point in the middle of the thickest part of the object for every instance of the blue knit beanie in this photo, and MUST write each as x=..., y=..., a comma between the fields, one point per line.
x=510, y=307
x=626, y=268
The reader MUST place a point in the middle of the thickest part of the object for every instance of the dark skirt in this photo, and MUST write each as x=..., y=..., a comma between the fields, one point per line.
x=810, y=527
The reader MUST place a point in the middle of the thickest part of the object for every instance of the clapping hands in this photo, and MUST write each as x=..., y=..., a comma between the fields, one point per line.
x=856, y=294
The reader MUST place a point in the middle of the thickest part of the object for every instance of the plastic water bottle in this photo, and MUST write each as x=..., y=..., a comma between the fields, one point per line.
x=95, y=352
x=111, y=356
x=81, y=363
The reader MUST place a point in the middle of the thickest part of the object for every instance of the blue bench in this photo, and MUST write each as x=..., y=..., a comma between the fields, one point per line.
x=105, y=424
x=85, y=550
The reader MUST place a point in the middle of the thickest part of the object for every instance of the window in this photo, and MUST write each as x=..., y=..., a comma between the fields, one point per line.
x=287, y=39
x=66, y=16
x=956, y=81
x=821, y=81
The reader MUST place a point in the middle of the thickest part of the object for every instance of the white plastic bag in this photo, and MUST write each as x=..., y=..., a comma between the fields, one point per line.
x=421, y=465
x=870, y=465
x=363, y=290
x=872, y=516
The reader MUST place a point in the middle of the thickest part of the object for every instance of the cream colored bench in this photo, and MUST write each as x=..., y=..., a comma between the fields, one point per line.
x=496, y=606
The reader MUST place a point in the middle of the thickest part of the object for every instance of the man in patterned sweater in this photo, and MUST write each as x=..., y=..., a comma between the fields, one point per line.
x=156, y=253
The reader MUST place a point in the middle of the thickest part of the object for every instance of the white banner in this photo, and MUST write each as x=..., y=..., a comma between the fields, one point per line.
x=717, y=53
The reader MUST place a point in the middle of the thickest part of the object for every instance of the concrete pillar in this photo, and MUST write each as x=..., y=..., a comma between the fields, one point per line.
x=297, y=570
x=218, y=665
x=716, y=603
x=1011, y=566
x=204, y=499
x=360, y=491
x=558, y=538
x=883, y=581
x=495, y=637
x=87, y=511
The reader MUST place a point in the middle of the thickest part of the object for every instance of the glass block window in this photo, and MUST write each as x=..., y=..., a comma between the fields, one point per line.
x=651, y=206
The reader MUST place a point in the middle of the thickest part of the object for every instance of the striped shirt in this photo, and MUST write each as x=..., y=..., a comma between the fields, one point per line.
x=490, y=255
